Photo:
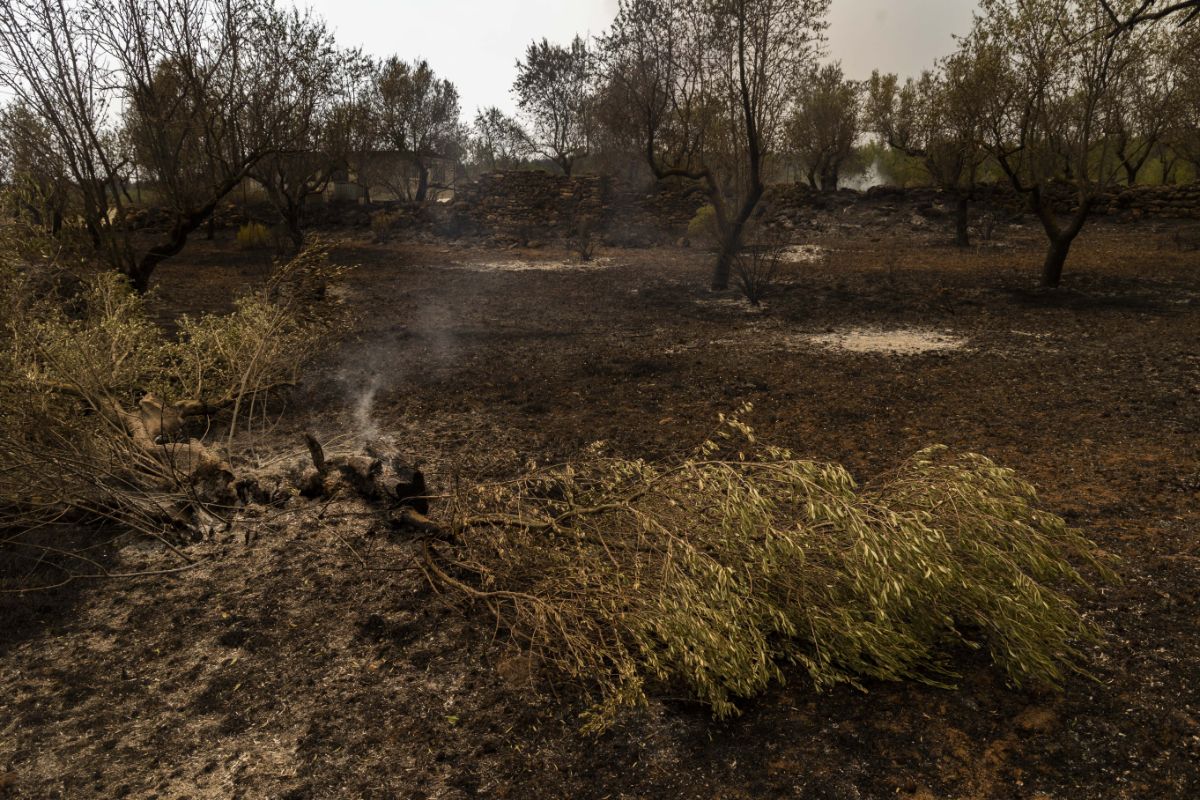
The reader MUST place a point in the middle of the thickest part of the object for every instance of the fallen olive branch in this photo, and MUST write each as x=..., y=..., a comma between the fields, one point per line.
x=713, y=573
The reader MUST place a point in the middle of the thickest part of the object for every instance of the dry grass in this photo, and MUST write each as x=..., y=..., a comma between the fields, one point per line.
x=97, y=400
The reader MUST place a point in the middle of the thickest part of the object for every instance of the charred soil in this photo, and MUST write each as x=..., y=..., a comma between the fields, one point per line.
x=306, y=657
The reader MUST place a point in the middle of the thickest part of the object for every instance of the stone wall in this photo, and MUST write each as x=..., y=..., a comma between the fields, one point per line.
x=527, y=204
x=1180, y=202
x=668, y=205
x=1155, y=201
x=532, y=205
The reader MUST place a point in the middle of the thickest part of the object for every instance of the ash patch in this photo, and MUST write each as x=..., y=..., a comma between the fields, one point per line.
x=805, y=254
x=525, y=265
x=898, y=341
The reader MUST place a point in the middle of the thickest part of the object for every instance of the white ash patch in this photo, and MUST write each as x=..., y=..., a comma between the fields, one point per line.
x=899, y=341
x=805, y=254
x=523, y=265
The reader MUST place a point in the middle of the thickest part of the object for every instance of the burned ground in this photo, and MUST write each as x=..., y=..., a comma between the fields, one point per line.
x=307, y=658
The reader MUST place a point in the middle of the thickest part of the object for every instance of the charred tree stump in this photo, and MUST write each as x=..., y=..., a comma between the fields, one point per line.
x=380, y=479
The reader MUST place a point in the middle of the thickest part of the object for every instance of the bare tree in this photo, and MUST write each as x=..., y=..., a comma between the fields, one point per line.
x=417, y=114
x=200, y=81
x=615, y=148
x=351, y=126
x=1051, y=70
x=554, y=93
x=937, y=119
x=824, y=125
x=708, y=83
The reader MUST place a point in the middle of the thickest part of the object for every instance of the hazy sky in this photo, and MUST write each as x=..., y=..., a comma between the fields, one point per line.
x=476, y=43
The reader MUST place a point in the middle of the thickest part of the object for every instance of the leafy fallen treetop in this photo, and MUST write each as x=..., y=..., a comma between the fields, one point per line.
x=717, y=570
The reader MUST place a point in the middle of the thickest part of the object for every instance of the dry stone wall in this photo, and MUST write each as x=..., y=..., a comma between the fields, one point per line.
x=528, y=204
x=531, y=206
x=1155, y=201
x=538, y=206
x=792, y=205
x=1180, y=202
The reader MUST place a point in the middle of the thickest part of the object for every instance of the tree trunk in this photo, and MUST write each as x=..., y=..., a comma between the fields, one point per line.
x=210, y=229
x=1060, y=238
x=295, y=221
x=962, y=233
x=139, y=275
x=185, y=224
x=829, y=179
x=724, y=266
x=422, y=182
x=1168, y=167
x=295, y=231
x=1131, y=173
x=176, y=239
x=93, y=234
x=1060, y=242
x=1056, y=259
x=731, y=242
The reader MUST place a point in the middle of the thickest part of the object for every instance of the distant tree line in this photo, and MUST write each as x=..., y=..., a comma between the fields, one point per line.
x=189, y=99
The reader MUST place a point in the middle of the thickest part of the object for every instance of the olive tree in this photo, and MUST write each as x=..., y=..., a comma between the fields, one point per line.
x=304, y=118
x=54, y=67
x=350, y=128
x=32, y=170
x=1144, y=11
x=707, y=85
x=186, y=91
x=615, y=148
x=554, y=94
x=1184, y=136
x=1144, y=101
x=1051, y=67
x=935, y=119
x=497, y=141
x=824, y=126
x=202, y=88
x=417, y=116
x=1180, y=139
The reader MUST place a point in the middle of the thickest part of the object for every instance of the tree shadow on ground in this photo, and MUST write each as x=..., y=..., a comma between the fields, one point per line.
x=1100, y=293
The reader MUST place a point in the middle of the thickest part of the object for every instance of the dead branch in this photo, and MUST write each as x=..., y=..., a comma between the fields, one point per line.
x=1151, y=11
